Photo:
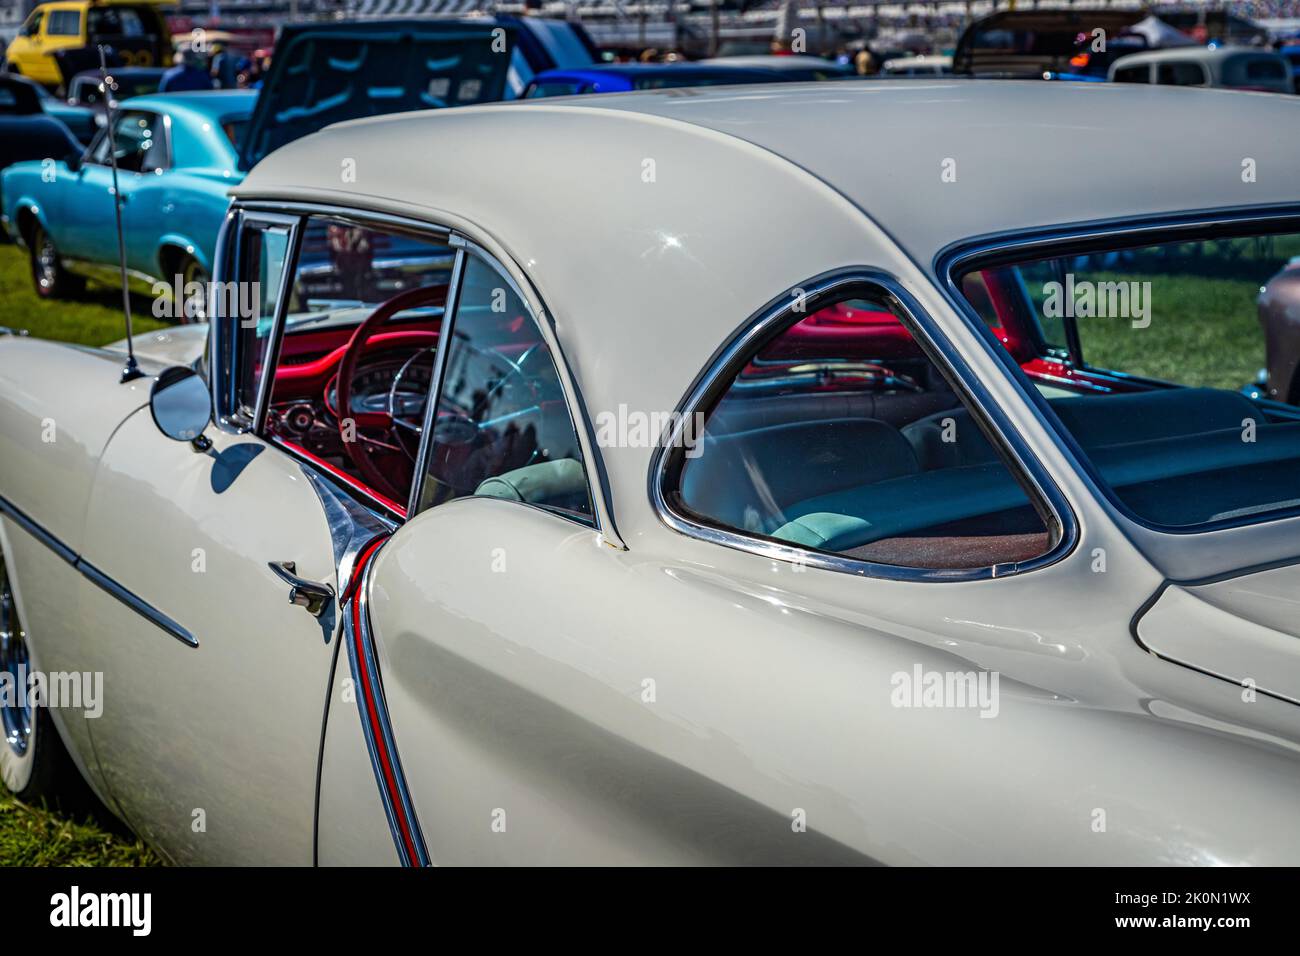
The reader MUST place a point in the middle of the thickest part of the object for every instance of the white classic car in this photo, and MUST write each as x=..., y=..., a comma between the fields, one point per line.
x=835, y=473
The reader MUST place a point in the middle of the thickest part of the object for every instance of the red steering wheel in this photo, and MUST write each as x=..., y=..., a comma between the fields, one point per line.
x=366, y=451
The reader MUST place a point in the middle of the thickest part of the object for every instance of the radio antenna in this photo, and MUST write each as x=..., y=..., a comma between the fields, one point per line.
x=132, y=370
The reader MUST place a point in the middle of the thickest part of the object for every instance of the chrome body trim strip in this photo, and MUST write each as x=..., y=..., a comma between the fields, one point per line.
x=98, y=577
x=362, y=664
x=136, y=603
x=352, y=526
x=1059, y=518
x=37, y=531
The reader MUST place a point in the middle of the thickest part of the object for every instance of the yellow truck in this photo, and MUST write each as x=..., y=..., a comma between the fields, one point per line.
x=61, y=38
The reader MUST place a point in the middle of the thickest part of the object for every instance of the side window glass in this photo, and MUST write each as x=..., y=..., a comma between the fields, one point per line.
x=263, y=249
x=841, y=435
x=353, y=368
x=1133, y=74
x=501, y=427
x=64, y=23
x=139, y=141
x=1181, y=74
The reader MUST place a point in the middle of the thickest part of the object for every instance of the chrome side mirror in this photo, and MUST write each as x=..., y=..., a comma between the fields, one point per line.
x=181, y=403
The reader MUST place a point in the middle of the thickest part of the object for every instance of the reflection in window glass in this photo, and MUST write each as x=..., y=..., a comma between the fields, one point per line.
x=1174, y=366
x=502, y=427
x=262, y=250
x=354, y=369
x=64, y=23
x=840, y=435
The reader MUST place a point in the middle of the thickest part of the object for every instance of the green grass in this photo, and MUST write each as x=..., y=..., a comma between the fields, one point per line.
x=1204, y=332
x=1204, y=328
x=34, y=836
x=94, y=318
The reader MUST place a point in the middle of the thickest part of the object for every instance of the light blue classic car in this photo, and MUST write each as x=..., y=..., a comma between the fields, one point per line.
x=178, y=154
x=177, y=158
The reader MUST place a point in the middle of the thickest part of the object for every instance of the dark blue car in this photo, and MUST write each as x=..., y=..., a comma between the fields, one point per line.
x=625, y=77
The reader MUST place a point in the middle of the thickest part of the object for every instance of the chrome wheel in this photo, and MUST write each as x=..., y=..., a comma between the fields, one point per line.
x=16, y=716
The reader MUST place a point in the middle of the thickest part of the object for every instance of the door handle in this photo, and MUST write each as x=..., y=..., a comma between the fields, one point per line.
x=312, y=595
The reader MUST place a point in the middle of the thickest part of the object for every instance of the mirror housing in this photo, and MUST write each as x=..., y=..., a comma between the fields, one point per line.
x=181, y=403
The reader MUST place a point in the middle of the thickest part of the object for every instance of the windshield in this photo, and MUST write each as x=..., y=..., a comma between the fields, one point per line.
x=1173, y=366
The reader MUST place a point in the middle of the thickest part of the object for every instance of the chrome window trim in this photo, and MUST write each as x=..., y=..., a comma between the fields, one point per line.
x=1025, y=467
x=219, y=366
x=462, y=244
x=360, y=216
x=1013, y=245
x=435, y=380
x=287, y=273
x=467, y=247
x=222, y=339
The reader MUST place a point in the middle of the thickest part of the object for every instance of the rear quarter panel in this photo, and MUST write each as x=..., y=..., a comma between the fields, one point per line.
x=516, y=648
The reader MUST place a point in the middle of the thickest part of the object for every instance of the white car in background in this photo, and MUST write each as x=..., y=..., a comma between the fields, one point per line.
x=918, y=66
x=804, y=474
x=1231, y=67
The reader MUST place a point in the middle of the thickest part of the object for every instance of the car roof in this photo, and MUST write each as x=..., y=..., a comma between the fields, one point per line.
x=1026, y=152
x=1191, y=53
x=773, y=61
x=656, y=223
x=199, y=104
x=646, y=69
x=123, y=71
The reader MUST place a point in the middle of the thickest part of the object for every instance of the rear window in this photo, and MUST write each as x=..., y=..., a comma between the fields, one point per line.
x=840, y=435
x=116, y=21
x=1246, y=70
x=1181, y=74
x=1133, y=74
x=1173, y=367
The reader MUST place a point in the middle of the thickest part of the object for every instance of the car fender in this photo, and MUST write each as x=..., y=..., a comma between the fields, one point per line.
x=59, y=406
x=20, y=200
x=200, y=250
x=195, y=202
